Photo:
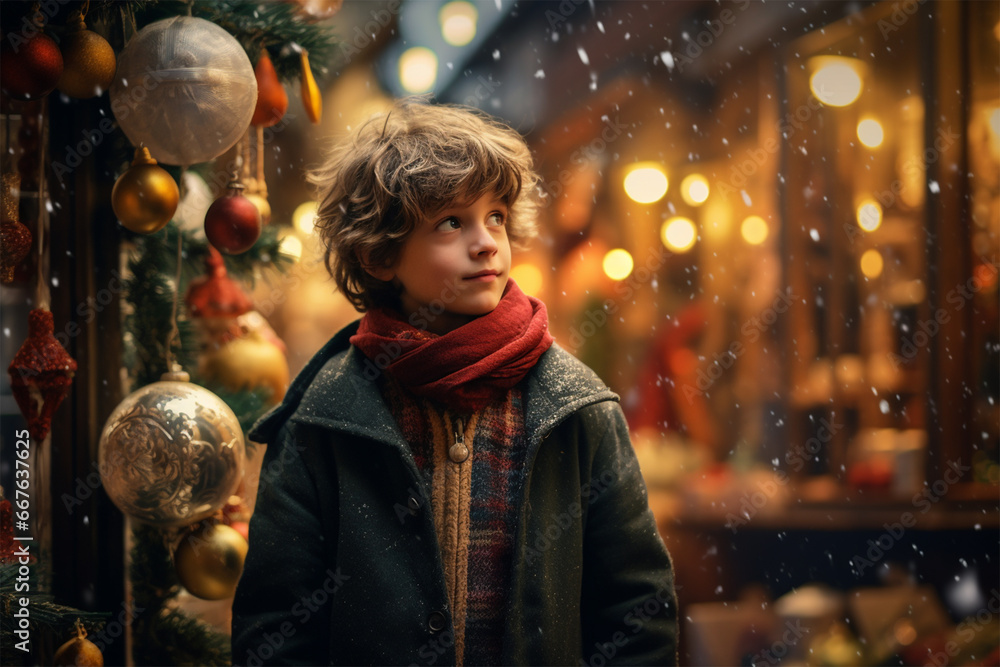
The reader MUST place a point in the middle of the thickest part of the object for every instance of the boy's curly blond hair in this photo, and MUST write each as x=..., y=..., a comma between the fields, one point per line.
x=403, y=166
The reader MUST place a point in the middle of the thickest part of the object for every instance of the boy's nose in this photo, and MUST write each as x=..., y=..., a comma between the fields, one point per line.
x=483, y=242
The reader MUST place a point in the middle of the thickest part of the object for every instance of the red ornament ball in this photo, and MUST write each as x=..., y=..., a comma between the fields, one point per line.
x=31, y=66
x=232, y=223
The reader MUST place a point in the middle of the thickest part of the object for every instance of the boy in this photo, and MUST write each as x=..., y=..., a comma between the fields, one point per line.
x=443, y=484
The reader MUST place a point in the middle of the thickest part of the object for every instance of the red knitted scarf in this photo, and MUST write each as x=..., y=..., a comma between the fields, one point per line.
x=466, y=368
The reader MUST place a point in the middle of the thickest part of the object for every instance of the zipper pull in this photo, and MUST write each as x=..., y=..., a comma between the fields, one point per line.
x=458, y=452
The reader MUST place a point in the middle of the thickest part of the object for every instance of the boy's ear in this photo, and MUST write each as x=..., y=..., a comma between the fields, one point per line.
x=379, y=272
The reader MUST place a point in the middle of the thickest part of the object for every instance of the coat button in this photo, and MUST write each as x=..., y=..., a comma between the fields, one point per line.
x=414, y=504
x=436, y=621
x=458, y=452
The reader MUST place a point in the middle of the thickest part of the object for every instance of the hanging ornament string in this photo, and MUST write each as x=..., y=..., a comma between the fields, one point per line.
x=42, y=296
x=261, y=185
x=174, y=331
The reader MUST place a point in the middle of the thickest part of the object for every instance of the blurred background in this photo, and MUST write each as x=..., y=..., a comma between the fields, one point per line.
x=773, y=228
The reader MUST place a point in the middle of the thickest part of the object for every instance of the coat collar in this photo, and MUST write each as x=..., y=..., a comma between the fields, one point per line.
x=337, y=390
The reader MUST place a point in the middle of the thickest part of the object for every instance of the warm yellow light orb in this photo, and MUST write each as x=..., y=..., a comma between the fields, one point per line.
x=754, y=230
x=528, y=277
x=870, y=133
x=646, y=183
x=458, y=22
x=694, y=189
x=418, y=69
x=678, y=234
x=869, y=215
x=304, y=217
x=871, y=263
x=291, y=246
x=618, y=264
x=836, y=80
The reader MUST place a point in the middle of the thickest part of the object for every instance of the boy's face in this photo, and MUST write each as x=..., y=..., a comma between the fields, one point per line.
x=458, y=260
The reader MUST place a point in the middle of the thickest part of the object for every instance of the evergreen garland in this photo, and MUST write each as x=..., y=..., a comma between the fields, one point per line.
x=162, y=634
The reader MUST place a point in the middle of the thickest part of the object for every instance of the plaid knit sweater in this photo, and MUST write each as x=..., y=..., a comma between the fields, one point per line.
x=473, y=466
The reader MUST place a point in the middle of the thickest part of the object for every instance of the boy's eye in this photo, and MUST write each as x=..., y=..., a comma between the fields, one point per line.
x=449, y=223
x=496, y=219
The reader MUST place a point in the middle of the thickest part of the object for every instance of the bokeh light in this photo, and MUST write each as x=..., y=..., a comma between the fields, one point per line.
x=458, y=22
x=528, y=277
x=304, y=217
x=869, y=215
x=754, y=230
x=836, y=80
x=618, y=264
x=871, y=263
x=418, y=69
x=678, y=234
x=646, y=183
x=694, y=189
x=870, y=133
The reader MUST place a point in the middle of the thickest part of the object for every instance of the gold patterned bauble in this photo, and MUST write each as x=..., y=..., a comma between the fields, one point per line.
x=209, y=561
x=145, y=197
x=88, y=63
x=171, y=453
x=247, y=363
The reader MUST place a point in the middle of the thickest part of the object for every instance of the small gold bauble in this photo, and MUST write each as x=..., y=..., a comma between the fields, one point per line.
x=209, y=561
x=145, y=197
x=171, y=453
x=88, y=64
x=79, y=651
x=262, y=205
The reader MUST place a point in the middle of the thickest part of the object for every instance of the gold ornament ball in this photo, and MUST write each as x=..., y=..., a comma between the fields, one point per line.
x=79, y=651
x=249, y=363
x=262, y=205
x=209, y=561
x=88, y=64
x=171, y=453
x=145, y=197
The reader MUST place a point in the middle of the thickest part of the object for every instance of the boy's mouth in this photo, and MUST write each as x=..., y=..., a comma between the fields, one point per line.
x=483, y=276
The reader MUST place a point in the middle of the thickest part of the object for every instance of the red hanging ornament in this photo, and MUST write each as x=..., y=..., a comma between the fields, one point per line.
x=216, y=294
x=15, y=238
x=232, y=223
x=6, y=531
x=32, y=64
x=40, y=374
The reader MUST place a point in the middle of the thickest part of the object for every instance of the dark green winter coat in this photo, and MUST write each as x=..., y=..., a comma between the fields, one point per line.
x=344, y=565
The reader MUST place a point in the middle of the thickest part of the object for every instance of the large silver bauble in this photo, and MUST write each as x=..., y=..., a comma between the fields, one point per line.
x=171, y=453
x=185, y=89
